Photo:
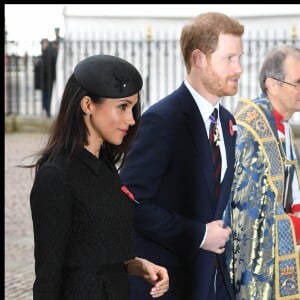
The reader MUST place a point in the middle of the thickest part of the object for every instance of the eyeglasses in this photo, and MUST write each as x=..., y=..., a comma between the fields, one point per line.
x=296, y=86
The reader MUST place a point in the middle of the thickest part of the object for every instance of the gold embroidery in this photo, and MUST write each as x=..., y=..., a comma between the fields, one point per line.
x=251, y=116
x=287, y=271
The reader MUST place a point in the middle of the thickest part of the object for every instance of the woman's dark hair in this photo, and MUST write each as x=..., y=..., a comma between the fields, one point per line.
x=69, y=133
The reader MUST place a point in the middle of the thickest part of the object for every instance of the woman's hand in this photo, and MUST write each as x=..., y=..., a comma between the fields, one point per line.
x=154, y=274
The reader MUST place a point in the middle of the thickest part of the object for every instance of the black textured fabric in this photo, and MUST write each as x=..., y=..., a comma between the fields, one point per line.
x=83, y=226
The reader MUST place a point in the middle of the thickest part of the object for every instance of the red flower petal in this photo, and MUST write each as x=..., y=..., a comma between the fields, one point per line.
x=127, y=192
x=231, y=128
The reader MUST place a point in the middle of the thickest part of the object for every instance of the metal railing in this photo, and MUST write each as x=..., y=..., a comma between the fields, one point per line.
x=159, y=60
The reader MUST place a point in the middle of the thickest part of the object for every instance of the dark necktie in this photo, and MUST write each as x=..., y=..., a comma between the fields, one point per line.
x=214, y=140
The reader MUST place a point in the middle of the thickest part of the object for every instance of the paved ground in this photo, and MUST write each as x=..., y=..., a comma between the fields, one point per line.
x=19, y=262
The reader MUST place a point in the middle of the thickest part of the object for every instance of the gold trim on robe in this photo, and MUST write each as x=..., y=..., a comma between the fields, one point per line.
x=262, y=254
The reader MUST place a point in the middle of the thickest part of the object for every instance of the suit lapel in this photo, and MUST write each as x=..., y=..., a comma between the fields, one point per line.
x=198, y=133
x=229, y=137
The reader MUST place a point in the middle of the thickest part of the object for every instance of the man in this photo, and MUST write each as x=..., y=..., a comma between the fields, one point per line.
x=48, y=74
x=265, y=197
x=170, y=167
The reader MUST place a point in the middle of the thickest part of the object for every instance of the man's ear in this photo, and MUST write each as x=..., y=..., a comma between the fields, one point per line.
x=197, y=57
x=271, y=85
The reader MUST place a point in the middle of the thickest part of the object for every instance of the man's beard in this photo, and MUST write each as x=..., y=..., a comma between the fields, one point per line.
x=217, y=85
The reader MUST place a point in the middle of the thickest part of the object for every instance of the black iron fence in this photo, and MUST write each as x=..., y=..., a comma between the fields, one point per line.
x=159, y=60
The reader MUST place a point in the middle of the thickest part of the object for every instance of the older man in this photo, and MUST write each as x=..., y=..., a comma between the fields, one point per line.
x=265, y=198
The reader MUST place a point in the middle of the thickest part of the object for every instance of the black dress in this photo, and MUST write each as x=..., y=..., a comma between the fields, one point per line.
x=83, y=227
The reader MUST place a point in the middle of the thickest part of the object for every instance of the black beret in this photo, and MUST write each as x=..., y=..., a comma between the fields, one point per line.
x=107, y=76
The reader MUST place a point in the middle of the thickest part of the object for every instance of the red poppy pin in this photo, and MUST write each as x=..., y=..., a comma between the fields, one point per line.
x=125, y=190
x=232, y=128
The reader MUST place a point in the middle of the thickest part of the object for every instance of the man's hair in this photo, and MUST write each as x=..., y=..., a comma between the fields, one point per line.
x=273, y=65
x=203, y=33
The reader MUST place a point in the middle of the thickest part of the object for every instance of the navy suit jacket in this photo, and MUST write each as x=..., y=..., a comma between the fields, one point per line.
x=169, y=170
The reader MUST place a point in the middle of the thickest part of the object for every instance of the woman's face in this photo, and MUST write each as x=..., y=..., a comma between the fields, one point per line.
x=111, y=119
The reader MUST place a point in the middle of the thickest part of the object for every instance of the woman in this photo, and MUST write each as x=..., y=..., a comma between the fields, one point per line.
x=82, y=219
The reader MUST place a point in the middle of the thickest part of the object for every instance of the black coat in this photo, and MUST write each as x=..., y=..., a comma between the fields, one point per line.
x=82, y=225
x=45, y=69
x=169, y=170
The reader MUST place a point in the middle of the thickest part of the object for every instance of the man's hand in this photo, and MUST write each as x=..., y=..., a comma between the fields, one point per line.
x=216, y=237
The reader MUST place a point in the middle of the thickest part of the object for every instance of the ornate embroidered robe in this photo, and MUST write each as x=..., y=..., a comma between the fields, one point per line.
x=262, y=254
